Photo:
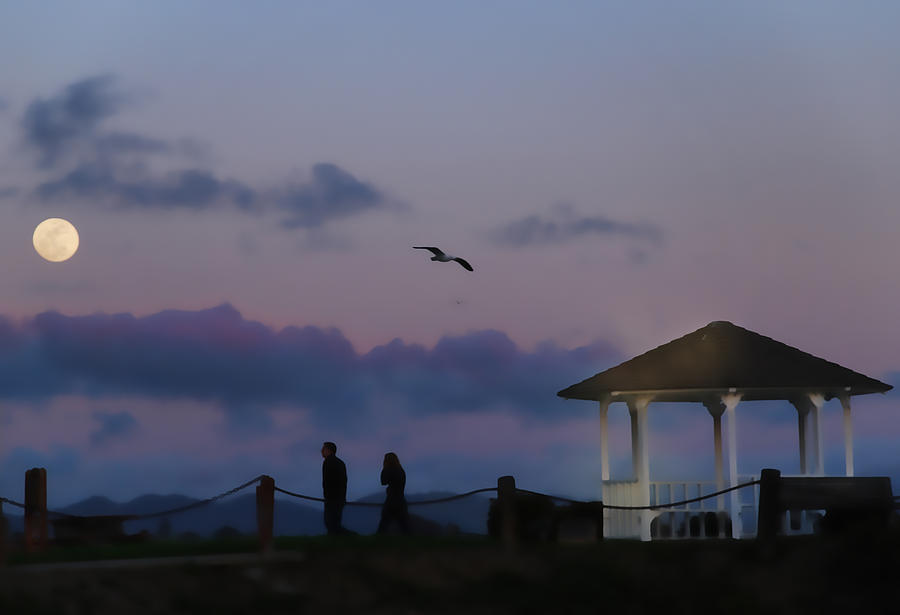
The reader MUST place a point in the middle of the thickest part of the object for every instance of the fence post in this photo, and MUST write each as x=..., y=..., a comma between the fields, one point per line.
x=506, y=501
x=265, y=512
x=598, y=516
x=3, y=531
x=769, y=506
x=35, y=509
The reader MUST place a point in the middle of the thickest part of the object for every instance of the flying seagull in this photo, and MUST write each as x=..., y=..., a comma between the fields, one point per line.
x=444, y=258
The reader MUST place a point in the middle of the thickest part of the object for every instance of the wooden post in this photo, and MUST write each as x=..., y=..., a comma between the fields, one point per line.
x=3, y=531
x=767, y=523
x=598, y=517
x=265, y=512
x=506, y=502
x=35, y=509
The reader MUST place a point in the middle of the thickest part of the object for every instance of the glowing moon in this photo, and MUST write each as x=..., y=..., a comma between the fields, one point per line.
x=55, y=239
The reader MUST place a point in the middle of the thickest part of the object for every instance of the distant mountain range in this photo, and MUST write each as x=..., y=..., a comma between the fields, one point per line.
x=292, y=518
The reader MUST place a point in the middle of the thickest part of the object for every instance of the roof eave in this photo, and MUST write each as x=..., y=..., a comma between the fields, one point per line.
x=701, y=394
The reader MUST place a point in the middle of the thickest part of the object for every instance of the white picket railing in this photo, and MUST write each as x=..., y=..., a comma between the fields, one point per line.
x=704, y=519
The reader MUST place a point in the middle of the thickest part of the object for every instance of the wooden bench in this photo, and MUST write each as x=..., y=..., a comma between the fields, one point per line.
x=848, y=501
x=578, y=522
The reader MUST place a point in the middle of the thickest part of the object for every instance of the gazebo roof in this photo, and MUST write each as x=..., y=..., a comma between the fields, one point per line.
x=724, y=358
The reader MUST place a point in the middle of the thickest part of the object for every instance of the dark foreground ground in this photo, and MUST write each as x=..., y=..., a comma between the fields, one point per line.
x=853, y=574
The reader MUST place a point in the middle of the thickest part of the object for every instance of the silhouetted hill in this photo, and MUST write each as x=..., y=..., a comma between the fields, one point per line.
x=91, y=504
x=291, y=518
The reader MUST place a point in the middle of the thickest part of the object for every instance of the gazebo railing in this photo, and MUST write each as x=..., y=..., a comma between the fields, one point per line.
x=685, y=521
x=692, y=520
x=621, y=523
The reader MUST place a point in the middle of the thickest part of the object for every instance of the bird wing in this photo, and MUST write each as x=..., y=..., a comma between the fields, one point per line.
x=463, y=263
x=432, y=249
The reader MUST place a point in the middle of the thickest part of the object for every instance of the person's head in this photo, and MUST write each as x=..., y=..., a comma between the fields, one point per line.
x=391, y=460
x=328, y=448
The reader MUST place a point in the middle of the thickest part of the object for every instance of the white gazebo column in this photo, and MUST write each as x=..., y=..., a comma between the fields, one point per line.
x=715, y=409
x=809, y=409
x=637, y=408
x=604, y=446
x=848, y=436
x=817, y=400
x=802, y=405
x=730, y=401
x=635, y=442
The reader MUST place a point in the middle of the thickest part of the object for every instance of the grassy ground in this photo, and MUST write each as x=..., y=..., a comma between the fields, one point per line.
x=241, y=544
x=368, y=574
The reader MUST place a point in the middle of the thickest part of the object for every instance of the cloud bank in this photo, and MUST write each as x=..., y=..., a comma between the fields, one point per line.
x=247, y=367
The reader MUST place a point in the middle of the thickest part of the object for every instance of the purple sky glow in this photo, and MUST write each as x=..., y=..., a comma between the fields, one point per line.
x=248, y=183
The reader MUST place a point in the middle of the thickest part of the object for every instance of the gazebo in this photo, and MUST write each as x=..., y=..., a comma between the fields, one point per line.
x=718, y=366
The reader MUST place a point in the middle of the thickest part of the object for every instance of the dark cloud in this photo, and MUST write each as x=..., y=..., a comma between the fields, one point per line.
x=8, y=192
x=110, y=167
x=114, y=143
x=331, y=193
x=105, y=167
x=52, y=125
x=112, y=425
x=187, y=189
x=564, y=224
x=4, y=104
x=217, y=355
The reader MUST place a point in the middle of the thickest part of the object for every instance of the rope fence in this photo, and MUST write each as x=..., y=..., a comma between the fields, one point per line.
x=198, y=503
x=683, y=502
x=452, y=497
x=51, y=513
x=136, y=517
x=224, y=494
x=14, y=503
x=535, y=493
x=782, y=494
x=552, y=497
x=413, y=503
x=36, y=512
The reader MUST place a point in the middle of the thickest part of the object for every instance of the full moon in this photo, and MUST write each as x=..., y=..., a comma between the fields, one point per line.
x=55, y=239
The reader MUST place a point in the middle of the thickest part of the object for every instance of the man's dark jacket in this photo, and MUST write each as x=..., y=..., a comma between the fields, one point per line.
x=334, y=479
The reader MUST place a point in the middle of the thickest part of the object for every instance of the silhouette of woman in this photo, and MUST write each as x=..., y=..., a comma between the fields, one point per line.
x=394, y=508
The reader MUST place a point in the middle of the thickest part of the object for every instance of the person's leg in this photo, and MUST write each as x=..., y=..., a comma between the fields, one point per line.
x=332, y=517
x=385, y=520
x=391, y=512
x=339, y=518
x=403, y=518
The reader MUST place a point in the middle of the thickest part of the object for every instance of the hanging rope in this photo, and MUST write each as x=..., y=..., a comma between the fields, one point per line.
x=413, y=503
x=450, y=498
x=682, y=502
x=8, y=501
x=179, y=509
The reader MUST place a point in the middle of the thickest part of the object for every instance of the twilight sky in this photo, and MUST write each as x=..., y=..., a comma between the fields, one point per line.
x=248, y=180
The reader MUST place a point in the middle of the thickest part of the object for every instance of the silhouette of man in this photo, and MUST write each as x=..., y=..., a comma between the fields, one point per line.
x=334, y=488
